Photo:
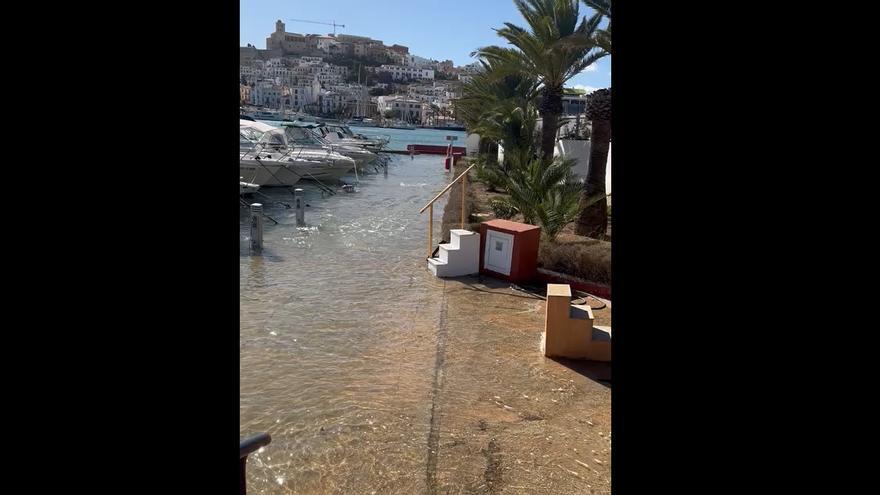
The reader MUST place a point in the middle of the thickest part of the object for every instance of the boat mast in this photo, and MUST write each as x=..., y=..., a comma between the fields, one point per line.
x=358, y=105
x=282, y=100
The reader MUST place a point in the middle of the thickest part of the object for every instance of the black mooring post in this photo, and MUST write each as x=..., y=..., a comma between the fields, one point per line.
x=242, y=479
x=245, y=448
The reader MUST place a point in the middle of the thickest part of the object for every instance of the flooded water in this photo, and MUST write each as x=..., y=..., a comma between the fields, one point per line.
x=399, y=138
x=333, y=364
x=372, y=376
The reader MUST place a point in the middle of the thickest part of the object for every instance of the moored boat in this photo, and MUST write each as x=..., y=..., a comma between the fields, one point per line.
x=274, y=160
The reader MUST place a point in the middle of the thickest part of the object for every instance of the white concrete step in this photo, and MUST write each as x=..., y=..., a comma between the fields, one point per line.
x=464, y=238
x=461, y=256
x=443, y=253
x=437, y=267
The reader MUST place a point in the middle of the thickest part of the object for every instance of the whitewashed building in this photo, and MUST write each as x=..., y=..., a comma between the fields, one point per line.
x=329, y=101
x=304, y=95
x=399, y=72
x=417, y=61
x=407, y=109
x=266, y=94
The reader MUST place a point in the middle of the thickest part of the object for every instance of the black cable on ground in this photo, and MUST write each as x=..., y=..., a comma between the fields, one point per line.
x=542, y=293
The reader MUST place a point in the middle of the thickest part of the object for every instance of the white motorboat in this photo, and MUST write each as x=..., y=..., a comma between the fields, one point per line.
x=247, y=188
x=300, y=134
x=266, y=115
x=267, y=172
x=276, y=138
x=267, y=155
x=280, y=169
x=343, y=135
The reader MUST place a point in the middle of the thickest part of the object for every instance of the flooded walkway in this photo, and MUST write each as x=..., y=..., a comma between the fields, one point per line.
x=374, y=377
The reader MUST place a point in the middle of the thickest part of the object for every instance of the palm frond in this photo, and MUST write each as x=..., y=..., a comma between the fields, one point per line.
x=601, y=6
x=585, y=62
x=527, y=10
x=603, y=39
x=590, y=25
x=554, y=45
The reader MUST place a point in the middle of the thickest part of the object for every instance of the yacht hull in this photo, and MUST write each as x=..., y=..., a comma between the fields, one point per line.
x=268, y=172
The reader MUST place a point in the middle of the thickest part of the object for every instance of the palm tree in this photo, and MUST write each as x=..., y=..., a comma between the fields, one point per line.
x=543, y=191
x=601, y=6
x=498, y=105
x=555, y=48
x=495, y=90
x=603, y=36
x=559, y=208
x=593, y=219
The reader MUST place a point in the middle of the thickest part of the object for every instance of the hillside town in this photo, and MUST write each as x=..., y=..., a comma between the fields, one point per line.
x=353, y=77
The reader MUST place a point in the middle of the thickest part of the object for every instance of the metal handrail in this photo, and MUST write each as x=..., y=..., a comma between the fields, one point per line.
x=430, y=206
x=252, y=444
x=446, y=188
x=246, y=447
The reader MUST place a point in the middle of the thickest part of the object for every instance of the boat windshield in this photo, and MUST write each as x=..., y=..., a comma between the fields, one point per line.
x=342, y=130
x=301, y=136
x=273, y=138
x=250, y=133
x=332, y=129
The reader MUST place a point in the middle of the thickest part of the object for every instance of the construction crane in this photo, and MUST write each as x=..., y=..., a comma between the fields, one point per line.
x=331, y=23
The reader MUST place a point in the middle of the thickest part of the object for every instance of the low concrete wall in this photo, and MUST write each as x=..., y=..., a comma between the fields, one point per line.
x=608, y=174
x=549, y=276
x=579, y=149
x=472, y=144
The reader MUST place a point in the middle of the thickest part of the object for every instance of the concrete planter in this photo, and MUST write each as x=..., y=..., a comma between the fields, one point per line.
x=579, y=149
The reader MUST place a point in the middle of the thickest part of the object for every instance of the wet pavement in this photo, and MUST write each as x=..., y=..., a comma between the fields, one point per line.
x=374, y=377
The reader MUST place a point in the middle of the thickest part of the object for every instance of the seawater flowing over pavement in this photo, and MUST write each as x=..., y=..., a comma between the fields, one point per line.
x=372, y=376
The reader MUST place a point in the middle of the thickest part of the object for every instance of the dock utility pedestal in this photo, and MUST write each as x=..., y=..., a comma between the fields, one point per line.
x=509, y=250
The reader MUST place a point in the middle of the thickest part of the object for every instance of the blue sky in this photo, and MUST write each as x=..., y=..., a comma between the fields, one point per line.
x=437, y=29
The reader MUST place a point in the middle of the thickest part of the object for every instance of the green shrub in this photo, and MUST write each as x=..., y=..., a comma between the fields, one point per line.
x=543, y=191
x=489, y=172
x=559, y=207
x=502, y=209
x=589, y=259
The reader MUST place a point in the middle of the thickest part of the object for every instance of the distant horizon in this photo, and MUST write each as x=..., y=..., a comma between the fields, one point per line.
x=400, y=22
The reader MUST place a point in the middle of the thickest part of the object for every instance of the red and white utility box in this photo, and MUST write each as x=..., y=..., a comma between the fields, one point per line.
x=509, y=250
